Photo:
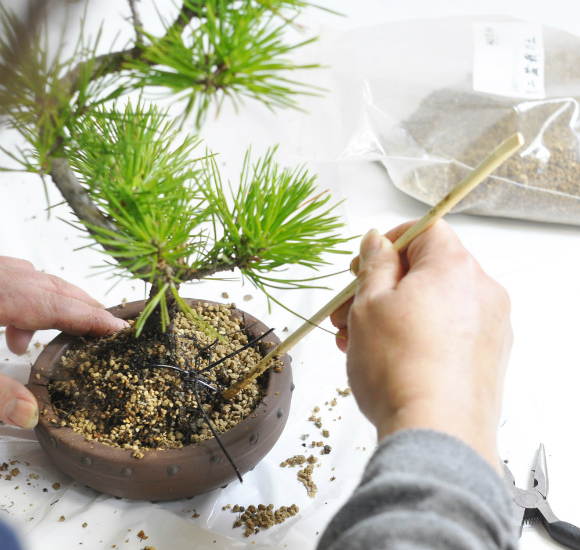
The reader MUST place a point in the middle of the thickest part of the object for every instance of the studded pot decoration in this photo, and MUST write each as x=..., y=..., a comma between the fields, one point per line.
x=165, y=474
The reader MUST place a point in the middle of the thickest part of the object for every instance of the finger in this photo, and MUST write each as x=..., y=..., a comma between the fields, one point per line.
x=37, y=310
x=392, y=235
x=380, y=266
x=52, y=283
x=339, y=318
x=439, y=240
x=398, y=231
x=438, y=244
x=354, y=265
x=17, y=405
x=18, y=339
x=342, y=339
x=15, y=262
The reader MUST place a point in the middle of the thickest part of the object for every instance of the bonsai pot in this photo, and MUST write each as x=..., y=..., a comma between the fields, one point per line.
x=162, y=474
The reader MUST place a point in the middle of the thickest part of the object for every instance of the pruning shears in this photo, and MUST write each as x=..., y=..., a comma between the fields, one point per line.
x=531, y=505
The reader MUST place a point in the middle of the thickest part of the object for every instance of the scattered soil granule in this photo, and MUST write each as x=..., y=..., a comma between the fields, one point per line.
x=316, y=420
x=127, y=392
x=305, y=477
x=254, y=518
x=295, y=460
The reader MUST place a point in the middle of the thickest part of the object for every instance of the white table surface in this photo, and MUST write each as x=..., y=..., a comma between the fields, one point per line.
x=539, y=264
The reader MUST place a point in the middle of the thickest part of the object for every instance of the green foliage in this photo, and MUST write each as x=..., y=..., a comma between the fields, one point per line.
x=138, y=173
x=159, y=210
x=272, y=220
x=143, y=178
x=233, y=50
x=41, y=95
x=30, y=91
x=176, y=221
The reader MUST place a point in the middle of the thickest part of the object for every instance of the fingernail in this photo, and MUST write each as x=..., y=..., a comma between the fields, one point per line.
x=119, y=324
x=370, y=243
x=23, y=413
x=354, y=265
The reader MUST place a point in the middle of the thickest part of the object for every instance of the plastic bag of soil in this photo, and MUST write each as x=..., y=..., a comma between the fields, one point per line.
x=451, y=90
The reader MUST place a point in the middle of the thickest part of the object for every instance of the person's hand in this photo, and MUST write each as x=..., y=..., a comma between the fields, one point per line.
x=31, y=300
x=427, y=338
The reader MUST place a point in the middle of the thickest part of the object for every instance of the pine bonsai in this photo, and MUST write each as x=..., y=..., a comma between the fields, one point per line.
x=151, y=198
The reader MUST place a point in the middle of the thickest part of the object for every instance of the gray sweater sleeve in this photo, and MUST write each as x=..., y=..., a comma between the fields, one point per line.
x=424, y=490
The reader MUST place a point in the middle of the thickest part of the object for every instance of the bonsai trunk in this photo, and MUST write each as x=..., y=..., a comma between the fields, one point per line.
x=152, y=330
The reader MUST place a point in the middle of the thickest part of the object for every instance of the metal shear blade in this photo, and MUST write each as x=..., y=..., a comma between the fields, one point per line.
x=532, y=504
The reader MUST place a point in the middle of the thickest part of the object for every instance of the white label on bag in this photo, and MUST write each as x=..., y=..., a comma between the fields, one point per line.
x=508, y=59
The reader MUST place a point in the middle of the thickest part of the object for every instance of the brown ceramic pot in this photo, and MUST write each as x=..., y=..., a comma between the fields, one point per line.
x=162, y=474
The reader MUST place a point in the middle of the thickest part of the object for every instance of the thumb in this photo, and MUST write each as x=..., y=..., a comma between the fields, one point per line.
x=379, y=266
x=17, y=405
x=18, y=339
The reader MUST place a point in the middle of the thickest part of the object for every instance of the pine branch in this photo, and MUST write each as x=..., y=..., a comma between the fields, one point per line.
x=137, y=23
x=114, y=62
x=187, y=13
x=76, y=196
x=132, y=182
x=63, y=177
x=207, y=271
x=35, y=14
x=238, y=50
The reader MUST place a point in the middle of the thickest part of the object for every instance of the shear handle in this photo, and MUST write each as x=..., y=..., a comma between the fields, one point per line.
x=564, y=532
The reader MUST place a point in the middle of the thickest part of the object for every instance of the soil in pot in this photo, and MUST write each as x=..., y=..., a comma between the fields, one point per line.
x=122, y=396
x=139, y=394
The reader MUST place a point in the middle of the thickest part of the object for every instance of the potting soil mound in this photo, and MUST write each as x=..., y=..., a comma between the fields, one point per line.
x=127, y=392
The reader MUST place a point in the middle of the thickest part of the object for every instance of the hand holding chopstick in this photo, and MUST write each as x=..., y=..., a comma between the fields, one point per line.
x=507, y=148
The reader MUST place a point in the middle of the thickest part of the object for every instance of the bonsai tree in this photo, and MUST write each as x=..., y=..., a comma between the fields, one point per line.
x=147, y=194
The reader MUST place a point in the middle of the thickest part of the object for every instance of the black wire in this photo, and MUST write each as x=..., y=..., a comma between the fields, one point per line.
x=213, y=430
x=186, y=375
x=193, y=375
x=248, y=345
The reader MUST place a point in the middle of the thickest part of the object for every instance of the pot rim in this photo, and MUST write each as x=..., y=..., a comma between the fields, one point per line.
x=87, y=450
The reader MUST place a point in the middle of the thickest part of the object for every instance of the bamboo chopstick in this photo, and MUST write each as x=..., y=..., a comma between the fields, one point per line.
x=505, y=150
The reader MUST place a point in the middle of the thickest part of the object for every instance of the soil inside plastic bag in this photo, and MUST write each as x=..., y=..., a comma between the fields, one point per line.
x=541, y=182
x=430, y=128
